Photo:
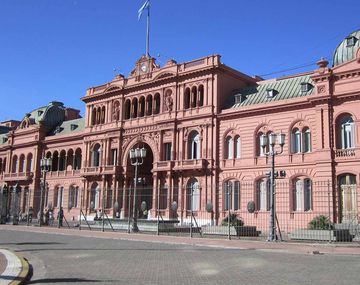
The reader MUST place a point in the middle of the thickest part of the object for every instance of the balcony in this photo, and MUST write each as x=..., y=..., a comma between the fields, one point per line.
x=163, y=165
x=99, y=170
x=109, y=169
x=345, y=152
x=190, y=164
x=21, y=176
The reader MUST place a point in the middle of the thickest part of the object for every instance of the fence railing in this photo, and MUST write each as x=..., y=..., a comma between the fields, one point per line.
x=305, y=211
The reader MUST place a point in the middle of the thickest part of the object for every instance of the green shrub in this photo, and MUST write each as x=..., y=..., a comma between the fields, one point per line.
x=320, y=222
x=234, y=221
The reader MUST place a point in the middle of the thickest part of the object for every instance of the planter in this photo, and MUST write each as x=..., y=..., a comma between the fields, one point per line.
x=342, y=235
x=244, y=231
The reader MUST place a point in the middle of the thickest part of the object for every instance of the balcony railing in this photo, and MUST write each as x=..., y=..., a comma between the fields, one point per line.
x=18, y=176
x=345, y=152
x=63, y=173
x=97, y=170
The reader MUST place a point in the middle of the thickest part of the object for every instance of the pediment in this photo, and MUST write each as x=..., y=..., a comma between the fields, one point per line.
x=164, y=75
x=112, y=88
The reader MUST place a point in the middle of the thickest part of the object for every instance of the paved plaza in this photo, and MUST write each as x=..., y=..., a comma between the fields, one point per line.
x=70, y=257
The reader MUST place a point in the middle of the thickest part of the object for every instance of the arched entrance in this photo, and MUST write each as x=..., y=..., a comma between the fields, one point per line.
x=144, y=186
x=348, y=196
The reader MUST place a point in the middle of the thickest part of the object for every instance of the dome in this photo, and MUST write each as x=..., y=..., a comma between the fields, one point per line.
x=347, y=49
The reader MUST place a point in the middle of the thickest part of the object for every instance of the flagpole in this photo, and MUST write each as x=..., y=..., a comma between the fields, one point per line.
x=148, y=32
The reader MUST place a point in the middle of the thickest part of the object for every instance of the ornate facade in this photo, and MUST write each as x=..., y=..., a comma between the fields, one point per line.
x=200, y=122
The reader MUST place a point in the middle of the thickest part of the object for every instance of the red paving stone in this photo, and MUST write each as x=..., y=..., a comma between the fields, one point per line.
x=3, y=263
x=352, y=249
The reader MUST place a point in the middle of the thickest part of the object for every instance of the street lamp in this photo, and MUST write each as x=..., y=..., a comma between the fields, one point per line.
x=45, y=166
x=264, y=141
x=137, y=156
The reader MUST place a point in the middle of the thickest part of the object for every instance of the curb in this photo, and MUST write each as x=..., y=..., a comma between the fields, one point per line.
x=24, y=273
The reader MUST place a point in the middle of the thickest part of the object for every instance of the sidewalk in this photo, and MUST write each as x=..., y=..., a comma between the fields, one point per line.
x=13, y=269
x=291, y=247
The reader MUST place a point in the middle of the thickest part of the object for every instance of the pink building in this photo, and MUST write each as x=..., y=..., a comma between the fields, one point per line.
x=200, y=122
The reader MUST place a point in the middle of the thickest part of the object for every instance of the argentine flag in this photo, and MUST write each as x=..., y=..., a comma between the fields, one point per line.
x=143, y=7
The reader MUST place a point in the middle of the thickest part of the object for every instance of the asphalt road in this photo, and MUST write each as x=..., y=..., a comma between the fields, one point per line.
x=60, y=259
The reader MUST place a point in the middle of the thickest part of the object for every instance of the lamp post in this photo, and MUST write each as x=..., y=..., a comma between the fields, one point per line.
x=45, y=166
x=137, y=156
x=271, y=141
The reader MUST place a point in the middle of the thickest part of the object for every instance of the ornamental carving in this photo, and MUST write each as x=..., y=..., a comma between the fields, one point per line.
x=321, y=89
x=168, y=100
x=116, y=111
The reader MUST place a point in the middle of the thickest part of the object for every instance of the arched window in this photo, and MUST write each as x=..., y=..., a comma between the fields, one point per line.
x=62, y=161
x=194, y=145
x=302, y=195
x=55, y=161
x=142, y=106
x=14, y=164
x=263, y=195
x=347, y=132
x=187, y=98
x=93, y=116
x=296, y=141
x=237, y=147
x=127, y=109
x=96, y=155
x=232, y=195
x=193, y=195
x=261, y=151
x=98, y=115
x=73, y=196
x=149, y=105
x=103, y=114
x=77, y=159
x=229, y=147
x=29, y=164
x=22, y=163
x=157, y=103
x=300, y=140
x=193, y=97
x=134, y=108
x=201, y=96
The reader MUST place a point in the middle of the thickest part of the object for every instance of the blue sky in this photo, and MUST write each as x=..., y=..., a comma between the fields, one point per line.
x=56, y=49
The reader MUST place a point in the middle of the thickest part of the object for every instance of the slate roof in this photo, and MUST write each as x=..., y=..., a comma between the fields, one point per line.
x=344, y=53
x=286, y=88
x=4, y=129
x=69, y=127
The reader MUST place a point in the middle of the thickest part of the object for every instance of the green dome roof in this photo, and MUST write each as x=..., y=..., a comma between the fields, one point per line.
x=347, y=49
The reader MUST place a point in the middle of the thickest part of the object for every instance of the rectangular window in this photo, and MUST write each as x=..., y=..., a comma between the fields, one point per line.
x=167, y=151
x=236, y=195
x=114, y=156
